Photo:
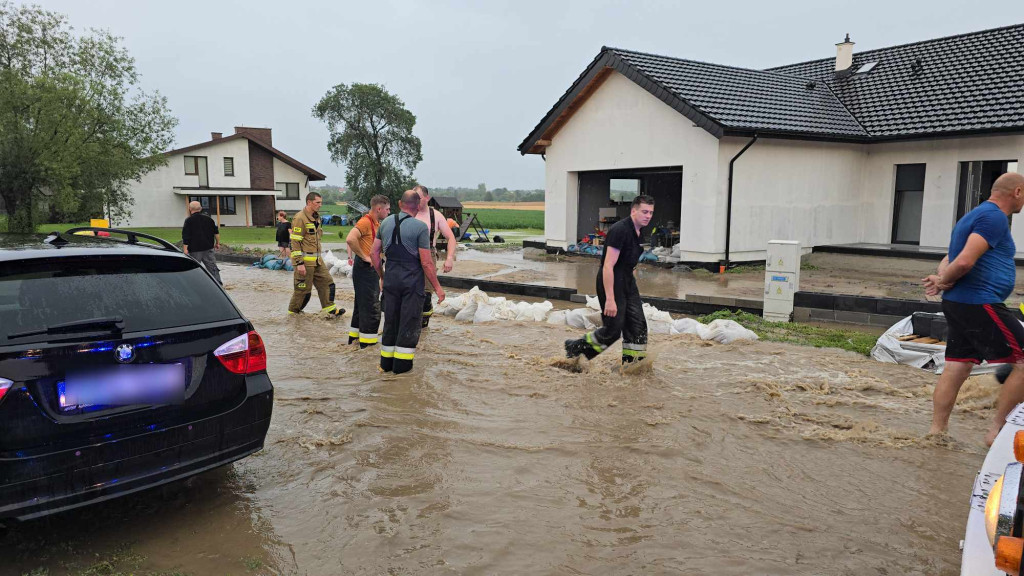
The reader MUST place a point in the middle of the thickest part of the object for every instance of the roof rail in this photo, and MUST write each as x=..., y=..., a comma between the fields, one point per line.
x=132, y=237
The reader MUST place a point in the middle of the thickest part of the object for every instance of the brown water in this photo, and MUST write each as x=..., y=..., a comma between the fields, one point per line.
x=749, y=458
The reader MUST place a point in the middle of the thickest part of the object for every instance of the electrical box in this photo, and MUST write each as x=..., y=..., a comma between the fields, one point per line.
x=781, y=279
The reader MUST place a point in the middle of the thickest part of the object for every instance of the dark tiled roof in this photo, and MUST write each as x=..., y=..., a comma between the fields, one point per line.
x=739, y=98
x=965, y=84
x=446, y=201
x=970, y=82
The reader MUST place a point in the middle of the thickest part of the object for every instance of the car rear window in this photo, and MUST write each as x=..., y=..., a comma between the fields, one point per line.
x=148, y=292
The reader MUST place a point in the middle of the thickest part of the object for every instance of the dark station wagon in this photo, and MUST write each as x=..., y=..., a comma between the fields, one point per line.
x=123, y=366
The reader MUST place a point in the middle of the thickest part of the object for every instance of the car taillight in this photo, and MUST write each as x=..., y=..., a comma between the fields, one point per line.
x=244, y=354
x=6, y=384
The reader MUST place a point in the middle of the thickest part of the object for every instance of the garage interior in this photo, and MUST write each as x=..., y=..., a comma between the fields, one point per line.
x=605, y=197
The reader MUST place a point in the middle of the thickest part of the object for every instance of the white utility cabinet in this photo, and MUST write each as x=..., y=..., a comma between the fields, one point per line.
x=781, y=279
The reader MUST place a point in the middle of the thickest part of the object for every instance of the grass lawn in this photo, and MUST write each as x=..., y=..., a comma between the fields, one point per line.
x=229, y=235
x=859, y=342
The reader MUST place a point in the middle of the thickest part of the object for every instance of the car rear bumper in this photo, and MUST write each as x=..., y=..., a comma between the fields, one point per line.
x=110, y=469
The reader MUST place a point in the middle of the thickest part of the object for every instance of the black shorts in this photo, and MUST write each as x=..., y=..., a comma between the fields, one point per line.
x=979, y=332
x=283, y=244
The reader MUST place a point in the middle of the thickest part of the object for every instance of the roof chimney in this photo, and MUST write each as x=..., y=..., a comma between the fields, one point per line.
x=260, y=134
x=216, y=135
x=844, y=54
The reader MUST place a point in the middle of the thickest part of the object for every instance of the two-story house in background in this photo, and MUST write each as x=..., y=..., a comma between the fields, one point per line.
x=241, y=180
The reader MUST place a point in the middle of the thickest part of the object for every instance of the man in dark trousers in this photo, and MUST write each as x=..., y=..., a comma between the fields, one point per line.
x=200, y=237
x=365, y=281
x=622, y=313
x=404, y=242
x=976, y=278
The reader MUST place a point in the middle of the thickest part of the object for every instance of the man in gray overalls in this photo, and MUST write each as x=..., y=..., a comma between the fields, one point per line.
x=404, y=242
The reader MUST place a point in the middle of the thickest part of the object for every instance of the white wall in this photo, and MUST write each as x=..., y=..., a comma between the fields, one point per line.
x=942, y=158
x=285, y=173
x=156, y=203
x=623, y=126
x=783, y=190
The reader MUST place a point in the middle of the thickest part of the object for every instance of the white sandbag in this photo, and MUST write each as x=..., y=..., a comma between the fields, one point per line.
x=467, y=313
x=690, y=326
x=484, y=313
x=583, y=318
x=593, y=303
x=535, y=312
x=557, y=317
x=659, y=327
x=726, y=331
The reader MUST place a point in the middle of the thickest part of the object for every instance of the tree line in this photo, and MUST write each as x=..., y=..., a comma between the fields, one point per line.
x=481, y=193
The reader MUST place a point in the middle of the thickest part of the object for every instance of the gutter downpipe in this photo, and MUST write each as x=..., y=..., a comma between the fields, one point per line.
x=728, y=206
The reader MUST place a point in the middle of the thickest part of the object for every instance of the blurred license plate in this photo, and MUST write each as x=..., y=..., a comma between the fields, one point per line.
x=124, y=385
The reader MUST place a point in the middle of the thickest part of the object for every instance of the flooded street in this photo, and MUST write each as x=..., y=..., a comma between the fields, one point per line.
x=747, y=458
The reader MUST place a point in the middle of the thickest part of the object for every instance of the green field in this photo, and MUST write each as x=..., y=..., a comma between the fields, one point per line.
x=496, y=219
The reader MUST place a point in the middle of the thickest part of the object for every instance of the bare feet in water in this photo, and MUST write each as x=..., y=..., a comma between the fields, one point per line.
x=990, y=436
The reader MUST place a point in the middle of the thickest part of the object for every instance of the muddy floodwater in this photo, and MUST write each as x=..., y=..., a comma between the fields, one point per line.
x=490, y=458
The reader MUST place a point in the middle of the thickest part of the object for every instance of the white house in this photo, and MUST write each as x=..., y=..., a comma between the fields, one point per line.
x=241, y=180
x=887, y=146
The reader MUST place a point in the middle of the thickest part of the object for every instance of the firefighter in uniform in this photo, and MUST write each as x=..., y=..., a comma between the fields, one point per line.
x=365, y=281
x=310, y=269
x=438, y=226
x=622, y=311
x=402, y=239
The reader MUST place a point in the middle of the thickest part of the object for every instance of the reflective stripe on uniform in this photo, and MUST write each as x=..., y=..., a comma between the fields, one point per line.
x=295, y=236
x=309, y=258
x=593, y=343
x=330, y=308
x=367, y=338
x=404, y=353
x=634, y=353
x=637, y=347
x=296, y=253
x=353, y=334
x=297, y=229
x=429, y=312
x=387, y=351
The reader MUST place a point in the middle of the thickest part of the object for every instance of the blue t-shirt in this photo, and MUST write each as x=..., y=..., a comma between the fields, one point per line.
x=992, y=278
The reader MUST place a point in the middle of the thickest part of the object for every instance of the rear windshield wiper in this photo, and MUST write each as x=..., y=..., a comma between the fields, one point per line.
x=112, y=324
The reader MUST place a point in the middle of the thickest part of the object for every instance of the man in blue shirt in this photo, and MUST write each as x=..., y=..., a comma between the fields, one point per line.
x=976, y=277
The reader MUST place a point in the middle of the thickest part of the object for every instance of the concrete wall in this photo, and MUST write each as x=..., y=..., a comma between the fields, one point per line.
x=942, y=158
x=285, y=173
x=623, y=126
x=782, y=190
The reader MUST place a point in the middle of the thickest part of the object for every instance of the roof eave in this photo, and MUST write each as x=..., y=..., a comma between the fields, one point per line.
x=598, y=70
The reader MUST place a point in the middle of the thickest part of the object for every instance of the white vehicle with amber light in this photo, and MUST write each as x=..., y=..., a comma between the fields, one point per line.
x=994, y=542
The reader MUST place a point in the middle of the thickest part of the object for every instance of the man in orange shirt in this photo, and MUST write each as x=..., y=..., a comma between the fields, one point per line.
x=365, y=281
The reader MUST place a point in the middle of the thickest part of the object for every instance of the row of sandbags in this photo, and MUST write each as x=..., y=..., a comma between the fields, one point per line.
x=338, y=266
x=477, y=307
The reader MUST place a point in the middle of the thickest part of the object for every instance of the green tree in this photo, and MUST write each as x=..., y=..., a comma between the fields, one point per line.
x=371, y=134
x=75, y=127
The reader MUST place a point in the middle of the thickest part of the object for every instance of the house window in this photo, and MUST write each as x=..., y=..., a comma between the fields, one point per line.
x=229, y=166
x=227, y=204
x=191, y=169
x=624, y=189
x=289, y=190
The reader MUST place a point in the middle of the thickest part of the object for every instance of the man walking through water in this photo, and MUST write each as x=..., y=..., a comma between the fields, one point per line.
x=402, y=239
x=976, y=277
x=622, y=311
x=310, y=269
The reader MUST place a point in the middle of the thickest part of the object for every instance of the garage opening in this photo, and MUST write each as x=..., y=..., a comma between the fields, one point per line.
x=605, y=197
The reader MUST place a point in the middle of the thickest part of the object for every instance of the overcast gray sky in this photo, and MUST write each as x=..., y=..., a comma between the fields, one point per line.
x=477, y=75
